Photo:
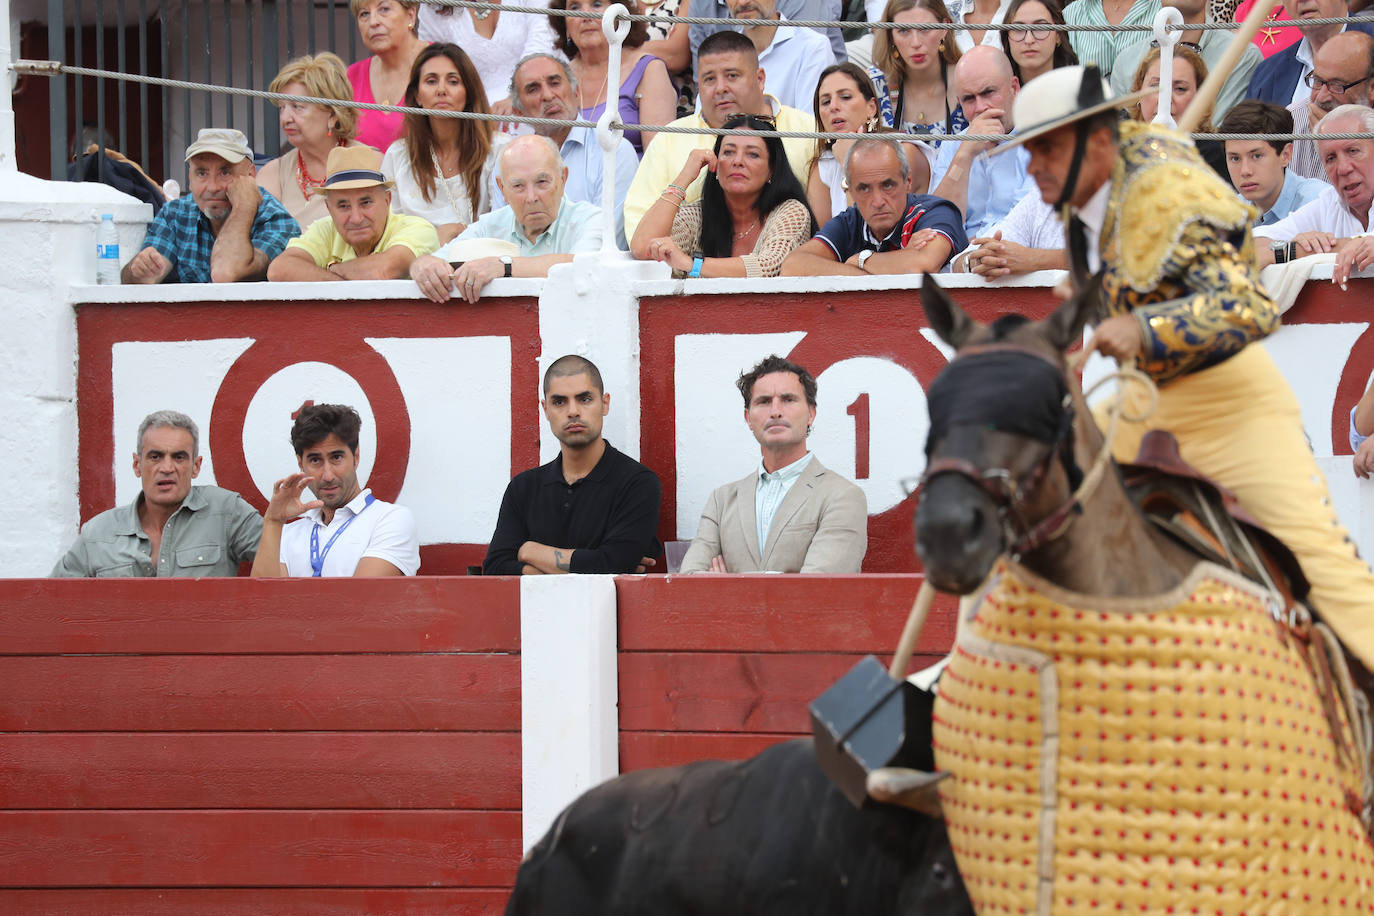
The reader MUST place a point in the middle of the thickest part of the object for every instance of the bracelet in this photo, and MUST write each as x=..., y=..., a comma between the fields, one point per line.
x=675, y=201
x=696, y=267
x=1292, y=251
x=673, y=186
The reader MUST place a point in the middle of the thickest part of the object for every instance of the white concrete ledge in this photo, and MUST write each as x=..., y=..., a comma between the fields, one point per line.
x=286, y=292
x=838, y=284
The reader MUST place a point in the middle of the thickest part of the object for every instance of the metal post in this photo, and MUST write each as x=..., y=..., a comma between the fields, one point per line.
x=121, y=64
x=57, y=92
x=271, y=127
x=615, y=25
x=100, y=87
x=143, y=152
x=1166, y=16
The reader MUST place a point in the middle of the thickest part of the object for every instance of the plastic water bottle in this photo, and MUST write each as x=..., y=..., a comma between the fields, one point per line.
x=107, y=252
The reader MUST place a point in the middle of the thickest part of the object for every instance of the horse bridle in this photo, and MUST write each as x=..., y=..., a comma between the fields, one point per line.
x=1003, y=487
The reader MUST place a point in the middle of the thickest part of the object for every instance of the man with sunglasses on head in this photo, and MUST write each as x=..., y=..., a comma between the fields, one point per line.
x=1210, y=46
x=1342, y=74
x=730, y=82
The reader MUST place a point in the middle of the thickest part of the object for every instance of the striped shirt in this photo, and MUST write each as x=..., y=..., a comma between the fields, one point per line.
x=772, y=490
x=1101, y=48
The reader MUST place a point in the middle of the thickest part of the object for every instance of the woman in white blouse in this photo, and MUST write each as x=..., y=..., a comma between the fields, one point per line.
x=494, y=40
x=443, y=166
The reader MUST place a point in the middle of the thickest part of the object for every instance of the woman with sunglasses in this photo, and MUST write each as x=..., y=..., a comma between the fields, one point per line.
x=1035, y=53
x=751, y=216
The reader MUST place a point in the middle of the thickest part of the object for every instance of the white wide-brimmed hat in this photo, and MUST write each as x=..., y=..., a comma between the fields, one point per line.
x=1062, y=96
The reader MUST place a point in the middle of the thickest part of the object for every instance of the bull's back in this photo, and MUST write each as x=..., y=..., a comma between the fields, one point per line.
x=761, y=836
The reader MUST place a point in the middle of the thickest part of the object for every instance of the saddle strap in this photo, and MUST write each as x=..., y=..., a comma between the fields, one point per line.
x=1357, y=710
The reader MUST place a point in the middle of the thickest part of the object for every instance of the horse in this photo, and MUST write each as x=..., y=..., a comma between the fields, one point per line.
x=1124, y=725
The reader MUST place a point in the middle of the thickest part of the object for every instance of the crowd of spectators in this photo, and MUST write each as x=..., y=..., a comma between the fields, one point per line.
x=453, y=204
x=709, y=206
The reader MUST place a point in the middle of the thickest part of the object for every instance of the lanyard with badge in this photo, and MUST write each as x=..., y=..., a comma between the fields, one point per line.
x=316, y=555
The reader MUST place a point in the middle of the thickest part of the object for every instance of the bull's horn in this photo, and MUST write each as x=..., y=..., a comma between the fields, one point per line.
x=908, y=788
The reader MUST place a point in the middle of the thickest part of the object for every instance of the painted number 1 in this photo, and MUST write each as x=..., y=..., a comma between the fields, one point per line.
x=859, y=411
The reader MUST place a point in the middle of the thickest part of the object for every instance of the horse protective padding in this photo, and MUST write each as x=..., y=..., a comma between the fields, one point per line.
x=1160, y=754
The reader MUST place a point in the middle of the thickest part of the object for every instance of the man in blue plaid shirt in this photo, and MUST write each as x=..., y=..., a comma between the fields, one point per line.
x=227, y=229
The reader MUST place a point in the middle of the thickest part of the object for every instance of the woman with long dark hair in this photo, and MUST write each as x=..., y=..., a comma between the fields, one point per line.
x=443, y=166
x=751, y=216
x=1034, y=53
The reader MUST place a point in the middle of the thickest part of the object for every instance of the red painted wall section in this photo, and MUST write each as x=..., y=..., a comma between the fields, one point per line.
x=239, y=746
x=715, y=667
x=285, y=334
x=885, y=324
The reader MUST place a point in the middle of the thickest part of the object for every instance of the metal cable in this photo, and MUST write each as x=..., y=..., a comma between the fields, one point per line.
x=843, y=24
x=52, y=68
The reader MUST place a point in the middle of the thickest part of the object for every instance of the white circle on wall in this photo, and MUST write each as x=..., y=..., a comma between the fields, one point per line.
x=267, y=422
x=894, y=414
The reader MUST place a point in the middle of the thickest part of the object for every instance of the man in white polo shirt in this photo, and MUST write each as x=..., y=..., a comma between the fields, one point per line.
x=344, y=531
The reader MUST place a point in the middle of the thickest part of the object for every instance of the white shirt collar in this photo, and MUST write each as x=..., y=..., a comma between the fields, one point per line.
x=1094, y=216
x=786, y=471
x=355, y=506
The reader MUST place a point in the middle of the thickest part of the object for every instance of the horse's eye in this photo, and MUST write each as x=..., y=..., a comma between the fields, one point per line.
x=940, y=872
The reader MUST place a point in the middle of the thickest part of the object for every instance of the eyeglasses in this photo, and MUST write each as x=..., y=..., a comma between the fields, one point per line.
x=1337, y=87
x=745, y=122
x=1028, y=34
x=1196, y=49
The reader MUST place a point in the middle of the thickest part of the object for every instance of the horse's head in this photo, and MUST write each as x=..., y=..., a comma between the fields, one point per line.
x=1000, y=468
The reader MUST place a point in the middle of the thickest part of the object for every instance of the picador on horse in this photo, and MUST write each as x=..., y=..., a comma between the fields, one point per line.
x=1158, y=711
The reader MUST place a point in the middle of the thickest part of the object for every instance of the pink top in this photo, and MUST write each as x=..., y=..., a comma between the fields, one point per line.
x=1271, y=38
x=378, y=129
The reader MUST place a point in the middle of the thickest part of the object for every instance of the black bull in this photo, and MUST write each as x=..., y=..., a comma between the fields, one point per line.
x=769, y=835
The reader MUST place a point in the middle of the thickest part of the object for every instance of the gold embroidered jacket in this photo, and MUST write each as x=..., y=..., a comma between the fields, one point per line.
x=1179, y=256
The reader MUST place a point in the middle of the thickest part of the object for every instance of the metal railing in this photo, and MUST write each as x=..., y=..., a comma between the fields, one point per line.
x=222, y=42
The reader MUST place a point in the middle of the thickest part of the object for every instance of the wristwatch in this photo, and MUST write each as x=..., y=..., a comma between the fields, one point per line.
x=863, y=257
x=1280, y=250
x=505, y=260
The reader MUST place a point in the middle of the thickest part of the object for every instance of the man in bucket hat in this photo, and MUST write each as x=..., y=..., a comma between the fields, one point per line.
x=1181, y=296
x=226, y=229
x=361, y=239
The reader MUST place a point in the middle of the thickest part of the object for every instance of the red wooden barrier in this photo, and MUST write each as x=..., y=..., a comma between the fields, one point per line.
x=239, y=746
x=716, y=667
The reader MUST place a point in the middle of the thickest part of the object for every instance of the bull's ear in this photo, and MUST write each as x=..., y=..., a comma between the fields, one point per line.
x=945, y=317
x=906, y=788
x=1064, y=327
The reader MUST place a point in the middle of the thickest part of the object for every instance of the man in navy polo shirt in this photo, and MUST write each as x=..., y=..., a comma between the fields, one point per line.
x=887, y=230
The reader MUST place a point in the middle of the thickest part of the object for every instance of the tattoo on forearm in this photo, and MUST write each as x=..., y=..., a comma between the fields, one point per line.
x=560, y=560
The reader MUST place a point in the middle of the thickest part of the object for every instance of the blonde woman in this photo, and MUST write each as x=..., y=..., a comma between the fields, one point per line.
x=388, y=30
x=917, y=65
x=313, y=130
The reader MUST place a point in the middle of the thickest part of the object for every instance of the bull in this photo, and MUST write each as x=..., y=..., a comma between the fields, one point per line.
x=768, y=835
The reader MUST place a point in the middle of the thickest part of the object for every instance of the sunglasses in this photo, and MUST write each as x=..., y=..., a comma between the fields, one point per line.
x=748, y=122
x=1154, y=43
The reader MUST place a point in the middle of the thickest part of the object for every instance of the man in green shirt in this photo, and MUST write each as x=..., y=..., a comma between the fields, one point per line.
x=360, y=239
x=172, y=528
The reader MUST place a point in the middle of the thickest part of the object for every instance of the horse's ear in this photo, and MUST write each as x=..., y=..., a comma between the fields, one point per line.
x=1064, y=327
x=946, y=318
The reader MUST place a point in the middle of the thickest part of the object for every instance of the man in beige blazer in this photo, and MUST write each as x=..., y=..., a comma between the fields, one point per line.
x=792, y=514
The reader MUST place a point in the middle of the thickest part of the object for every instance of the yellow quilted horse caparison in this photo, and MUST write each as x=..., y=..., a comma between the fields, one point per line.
x=1168, y=754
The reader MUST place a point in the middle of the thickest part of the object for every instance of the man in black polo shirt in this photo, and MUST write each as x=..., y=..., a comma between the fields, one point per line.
x=887, y=230
x=590, y=510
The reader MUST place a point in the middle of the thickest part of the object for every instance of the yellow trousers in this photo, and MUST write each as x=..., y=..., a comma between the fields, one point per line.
x=1239, y=423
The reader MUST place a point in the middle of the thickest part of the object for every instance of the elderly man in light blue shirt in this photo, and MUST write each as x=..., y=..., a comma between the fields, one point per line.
x=544, y=86
x=984, y=188
x=543, y=226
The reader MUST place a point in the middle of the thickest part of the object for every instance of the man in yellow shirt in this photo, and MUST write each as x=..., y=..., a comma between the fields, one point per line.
x=360, y=239
x=729, y=82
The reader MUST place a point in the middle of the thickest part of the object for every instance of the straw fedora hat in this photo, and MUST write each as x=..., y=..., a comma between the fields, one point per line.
x=1063, y=96
x=354, y=167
